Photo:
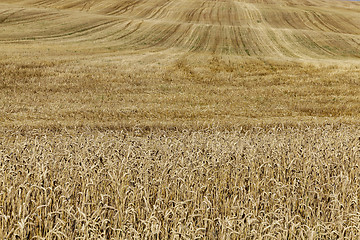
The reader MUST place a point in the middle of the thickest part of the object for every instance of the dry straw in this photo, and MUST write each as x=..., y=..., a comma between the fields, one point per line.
x=283, y=183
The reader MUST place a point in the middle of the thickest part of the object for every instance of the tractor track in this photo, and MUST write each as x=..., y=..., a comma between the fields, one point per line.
x=286, y=28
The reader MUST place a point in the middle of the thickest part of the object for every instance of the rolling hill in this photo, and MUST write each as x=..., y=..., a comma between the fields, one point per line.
x=166, y=62
x=186, y=119
x=300, y=29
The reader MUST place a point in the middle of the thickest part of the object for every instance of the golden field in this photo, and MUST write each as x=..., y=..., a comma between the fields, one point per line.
x=178, y=63
x=177, y=94
x=280, y=182
x=163, y=119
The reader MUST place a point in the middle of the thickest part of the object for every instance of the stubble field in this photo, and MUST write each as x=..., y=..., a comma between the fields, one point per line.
x=156, y=119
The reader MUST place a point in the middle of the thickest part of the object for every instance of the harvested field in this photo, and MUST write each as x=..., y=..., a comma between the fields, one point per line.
x=172, y=63
x=300, y=29
x=192, y=92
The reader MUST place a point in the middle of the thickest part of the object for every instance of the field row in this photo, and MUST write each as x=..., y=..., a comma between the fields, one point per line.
x=306, y=30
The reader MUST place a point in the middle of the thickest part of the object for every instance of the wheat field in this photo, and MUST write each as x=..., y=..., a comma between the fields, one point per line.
x=164, y=119
x=279, y=182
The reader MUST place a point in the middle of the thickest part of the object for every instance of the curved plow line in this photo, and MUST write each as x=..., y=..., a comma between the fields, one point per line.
x=114, y=36
x=167, y=37
x=79, y=32
x=288, y=49
x=179, y=39
x=112, y=33
x=5, y=19
x=188, y=41
x=99, y=33
x=262, y=37
x=193, y=15
x=236, y=40
x=27, y=18
x=326, y=23
x=318, y=46
x=131, y=31
x=292, y=44
x=204, y=39
x=121, y=9
x=352, y=27
x=319, y=24
x=160, y=11
x=309, y=47
x=217, y=36
x=88, y=5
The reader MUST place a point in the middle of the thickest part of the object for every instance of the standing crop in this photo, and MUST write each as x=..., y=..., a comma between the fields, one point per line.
x=297, y=183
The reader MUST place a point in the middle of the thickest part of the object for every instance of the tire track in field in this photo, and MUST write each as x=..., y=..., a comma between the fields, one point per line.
x=310, y=43
x=246, y=27
x=76, y=29
x=159, y=11
x=131, y=32
x=282, y=38
x=263, y=44
x=7, y=15
x=30, y=17
x=82, y=32
x=123, y=7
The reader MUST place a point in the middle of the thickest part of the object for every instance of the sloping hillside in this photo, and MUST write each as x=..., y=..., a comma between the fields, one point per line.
x=178, y=63
x=179, y=119
x=288, y=28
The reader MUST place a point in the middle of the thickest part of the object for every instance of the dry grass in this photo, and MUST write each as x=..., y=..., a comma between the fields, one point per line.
x=160, y=119
x=203, y=90
x=287, y=28
x=178, y=63
x=283, y=183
